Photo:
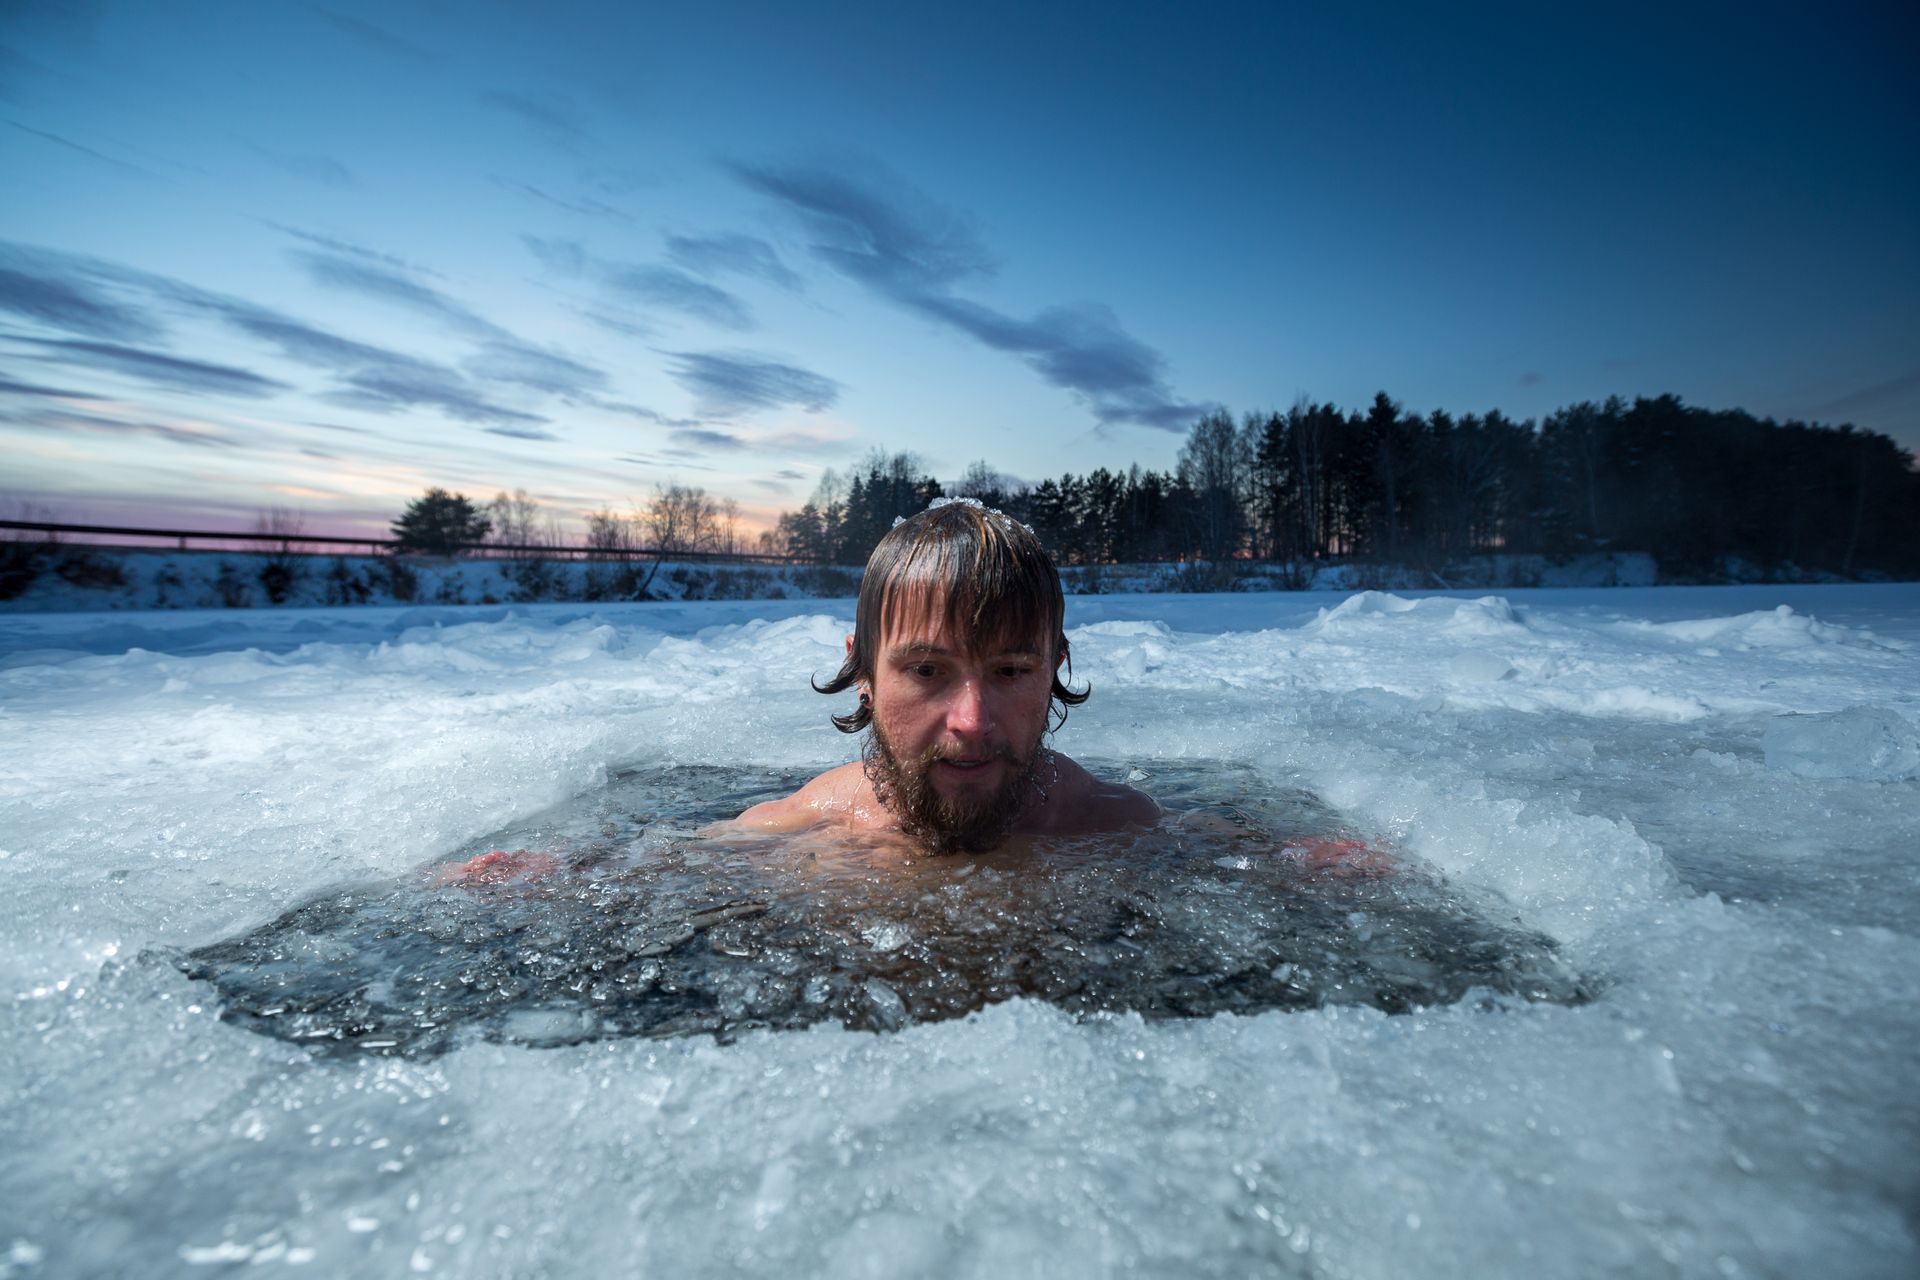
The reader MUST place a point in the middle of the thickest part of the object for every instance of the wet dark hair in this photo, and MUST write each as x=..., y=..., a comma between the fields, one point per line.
x=986, y=572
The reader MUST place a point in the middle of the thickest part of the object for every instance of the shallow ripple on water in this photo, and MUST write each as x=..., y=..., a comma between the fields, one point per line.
x=649, y=931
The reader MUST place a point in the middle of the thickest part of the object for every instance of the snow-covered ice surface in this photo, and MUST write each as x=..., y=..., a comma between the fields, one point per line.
x=1707, y=796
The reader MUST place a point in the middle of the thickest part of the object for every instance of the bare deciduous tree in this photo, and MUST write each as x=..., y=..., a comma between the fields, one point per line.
x=283, y=567
x=517, y=524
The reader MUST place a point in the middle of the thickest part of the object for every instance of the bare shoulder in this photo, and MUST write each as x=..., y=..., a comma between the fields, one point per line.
x=834, y=798
x=1081, y=802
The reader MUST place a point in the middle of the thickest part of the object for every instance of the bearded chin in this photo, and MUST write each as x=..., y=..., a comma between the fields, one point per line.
x=906, y=788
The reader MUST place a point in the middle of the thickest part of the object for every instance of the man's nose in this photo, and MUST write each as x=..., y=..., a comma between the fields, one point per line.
x=968, y=712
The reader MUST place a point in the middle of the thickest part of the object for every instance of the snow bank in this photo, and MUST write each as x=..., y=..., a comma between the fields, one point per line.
x=1860, y=742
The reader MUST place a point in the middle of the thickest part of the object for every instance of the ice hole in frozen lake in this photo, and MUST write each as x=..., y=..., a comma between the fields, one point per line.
x=646, y=930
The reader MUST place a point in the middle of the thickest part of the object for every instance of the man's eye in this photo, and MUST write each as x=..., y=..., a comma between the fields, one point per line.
x=1015, y=673
x=924, y=670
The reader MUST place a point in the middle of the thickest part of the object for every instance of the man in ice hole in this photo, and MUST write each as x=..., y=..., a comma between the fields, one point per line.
x=956, y=656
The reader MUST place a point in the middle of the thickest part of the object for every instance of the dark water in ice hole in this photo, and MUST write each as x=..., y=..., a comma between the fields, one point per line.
x=650, y=932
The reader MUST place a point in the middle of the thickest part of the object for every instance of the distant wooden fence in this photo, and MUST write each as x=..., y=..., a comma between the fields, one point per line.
x=321, y=544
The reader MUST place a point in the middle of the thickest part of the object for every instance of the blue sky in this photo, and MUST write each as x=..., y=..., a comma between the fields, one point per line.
x=321, y=256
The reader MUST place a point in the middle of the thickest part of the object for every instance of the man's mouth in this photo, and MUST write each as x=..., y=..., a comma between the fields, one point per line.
x=970, y=764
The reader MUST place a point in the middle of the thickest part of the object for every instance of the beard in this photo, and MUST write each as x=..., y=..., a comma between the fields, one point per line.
x=906, y=788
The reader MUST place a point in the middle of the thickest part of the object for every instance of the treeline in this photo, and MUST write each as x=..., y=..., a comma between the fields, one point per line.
x=1695, y=488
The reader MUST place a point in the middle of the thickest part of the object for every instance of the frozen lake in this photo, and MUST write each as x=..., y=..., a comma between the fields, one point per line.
x=1704, y=799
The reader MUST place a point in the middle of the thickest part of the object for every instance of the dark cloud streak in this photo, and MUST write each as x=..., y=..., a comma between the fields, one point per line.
x=502, y=357
x=389, y=286
x=9, y=387
x=527, y=366
x=562, y=257
x=727, y=383
x=372, y=37
x=28, y=288
x=157, y=369
x=740, y=254
x=914, y=253
x=324, y=170
x=71, y=145
x=374, y=378
x=554, y=117
x=704, y=438
x=678, y=291
x=1894, y=393
x=93, y=423
x=588, y=206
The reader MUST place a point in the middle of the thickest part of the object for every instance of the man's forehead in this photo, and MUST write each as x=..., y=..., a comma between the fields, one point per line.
x=922, y=621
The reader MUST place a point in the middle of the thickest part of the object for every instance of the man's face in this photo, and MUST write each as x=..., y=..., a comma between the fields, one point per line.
x=956, y=728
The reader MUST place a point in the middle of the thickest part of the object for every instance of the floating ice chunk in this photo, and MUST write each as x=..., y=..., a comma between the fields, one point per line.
x=885, y=936
x=888, y=1009
x=1868, y=743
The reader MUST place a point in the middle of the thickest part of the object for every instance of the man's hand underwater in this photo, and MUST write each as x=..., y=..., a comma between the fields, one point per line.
x=498, y=867
x=1342, y=857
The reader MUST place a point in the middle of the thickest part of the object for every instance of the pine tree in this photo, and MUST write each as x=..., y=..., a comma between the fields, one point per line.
x=440, y=523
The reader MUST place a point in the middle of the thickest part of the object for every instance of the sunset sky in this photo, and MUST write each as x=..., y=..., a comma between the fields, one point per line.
x=322, y=256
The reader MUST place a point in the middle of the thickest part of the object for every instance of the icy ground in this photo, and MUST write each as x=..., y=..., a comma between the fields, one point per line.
x=1707, y=796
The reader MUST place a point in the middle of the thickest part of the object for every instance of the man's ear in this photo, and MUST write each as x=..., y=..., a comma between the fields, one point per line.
x=849, y=644
x=1061, y=661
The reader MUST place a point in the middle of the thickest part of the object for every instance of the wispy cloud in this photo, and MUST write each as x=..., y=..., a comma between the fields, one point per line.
x=529, y=366
x=9, y=386
x=372, y=378
x=155, y=368
x=585, y=205
x=727, y=383
x=1894, y=393
x=706, y=438
x=648, y=415
x=678, y=459
x=560, y=256
x=878, y=231
x=622, y=323
x=324, y=170
x=552, y=116
x=87, y=151
x=731, y=252
x=502, y=356
x=803, y=441
x=48, y=289
x=375, y=281
x=678, y=291
x=521, y=433
x=97, y=424
x=388, y=388
x=667, y=288
x=369, y=36
x=84, y=296
x=348, y=248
